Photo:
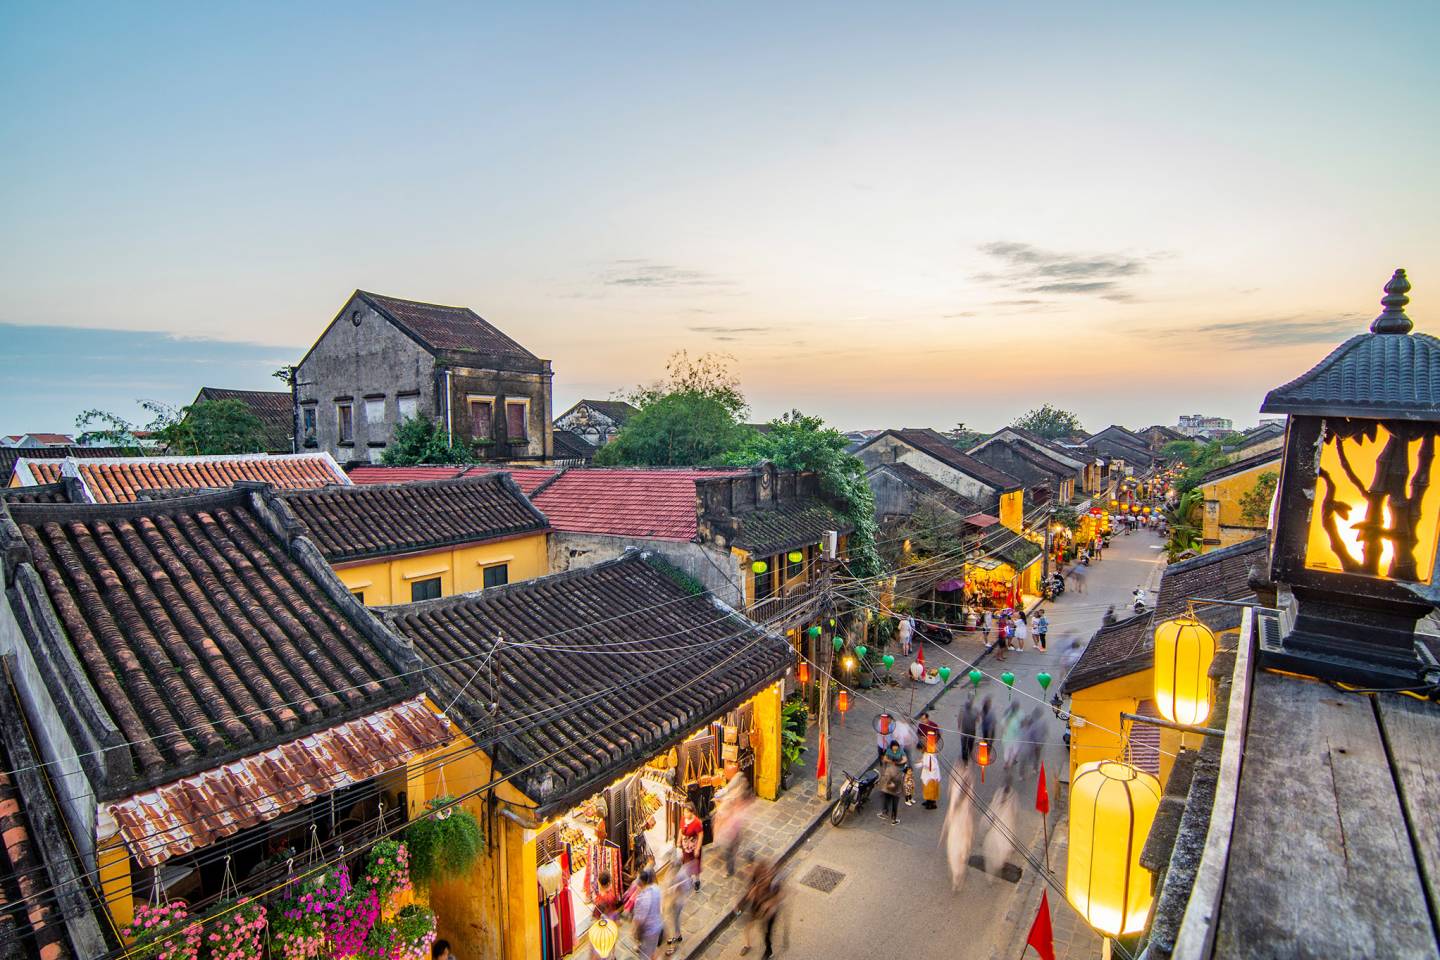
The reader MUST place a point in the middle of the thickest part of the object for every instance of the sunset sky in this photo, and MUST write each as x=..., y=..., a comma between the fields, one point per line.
x=889, y=214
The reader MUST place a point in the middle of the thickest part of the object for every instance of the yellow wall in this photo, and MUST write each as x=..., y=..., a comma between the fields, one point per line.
x=1101, y=705
x=767, y=751
x=1223, y=524
x=115, y=882
x=460, y=569
x=1012, y=510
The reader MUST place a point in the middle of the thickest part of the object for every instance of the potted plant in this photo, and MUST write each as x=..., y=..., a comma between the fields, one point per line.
x=794, y=721
x=163, y=931
x=444, y=842
x=237, y=931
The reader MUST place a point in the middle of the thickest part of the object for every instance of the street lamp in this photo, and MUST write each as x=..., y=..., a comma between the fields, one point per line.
x=1357, y=512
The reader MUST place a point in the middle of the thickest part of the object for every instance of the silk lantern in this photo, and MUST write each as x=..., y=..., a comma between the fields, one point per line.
x=838, y=643
x=549, y=877
x=802, y=672
x=813, y=631
x=603, y=935
x=795, y=556
x=944, y=674
x=861, y=650
x=1184, y=649
x=888, y=660
x=843, y=701
x=975, y=677
x=982, y=757
x=759, y=566
x=1112, y=806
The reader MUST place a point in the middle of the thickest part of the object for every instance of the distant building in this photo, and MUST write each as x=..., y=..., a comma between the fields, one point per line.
x=383, y=360
x=275, y=409
x=1201, y=426
x=34, y=441
x=597, y=422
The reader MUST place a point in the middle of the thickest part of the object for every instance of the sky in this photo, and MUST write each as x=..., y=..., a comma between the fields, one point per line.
x=888, y=214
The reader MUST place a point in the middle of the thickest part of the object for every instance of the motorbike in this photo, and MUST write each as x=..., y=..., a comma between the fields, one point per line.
x=853, y=795
x=1055, y=587
x=933, y=632
x=1138, y=605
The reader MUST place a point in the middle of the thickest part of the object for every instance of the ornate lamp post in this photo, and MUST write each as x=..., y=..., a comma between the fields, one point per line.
x=1357, y=514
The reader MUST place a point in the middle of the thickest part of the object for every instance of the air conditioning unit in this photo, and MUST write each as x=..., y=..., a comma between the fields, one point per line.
x=831, y=543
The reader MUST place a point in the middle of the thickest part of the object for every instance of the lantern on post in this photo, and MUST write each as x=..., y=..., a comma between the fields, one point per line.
x=1357, y=507
x=1184, y=649
x=843, y=702
x=1112, y=806
x=884, y=724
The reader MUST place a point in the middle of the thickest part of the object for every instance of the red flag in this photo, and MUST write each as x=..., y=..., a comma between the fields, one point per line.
x=821, y=766
x=920, y=656
x=1042, y=938
x=1042, y=796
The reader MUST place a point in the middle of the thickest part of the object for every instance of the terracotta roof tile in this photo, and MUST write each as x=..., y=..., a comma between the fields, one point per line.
x=121, y=479
x=200, y=631
x=658, y=504
x=350, y=523
x=943, y=450
x=30, y=924
x=602, y=667
x=9, y=456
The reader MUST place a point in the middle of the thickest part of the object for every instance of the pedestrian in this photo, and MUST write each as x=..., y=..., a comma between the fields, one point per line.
x=1022, y=632
x=989, y=621
x=1108, y=619
x=732, y=810
x=958, y=831
x=893, y=767
x=1042, y=627
x=762, y=903
x=997, y=842
x=905, y=734
x=930, y=778
x=1010, y=735
x=907, y=633
x=674, y=895
x=440, y=950
x=967, y=730
x=987, y=723
x=692, y=836
x=924, y=728
x=1078, y=576
x=646, y=916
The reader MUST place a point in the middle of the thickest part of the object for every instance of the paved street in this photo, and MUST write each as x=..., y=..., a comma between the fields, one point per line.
x=895, y=887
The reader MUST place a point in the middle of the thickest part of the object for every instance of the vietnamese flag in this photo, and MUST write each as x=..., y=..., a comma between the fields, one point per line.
x=1042, y=796
x=1042, y=938
x=821, y=766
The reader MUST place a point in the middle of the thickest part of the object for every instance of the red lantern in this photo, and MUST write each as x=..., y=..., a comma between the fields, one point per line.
x=930, y=741
x=844, y=701
x=884, y=724
x=802, y=672
x=982, y=757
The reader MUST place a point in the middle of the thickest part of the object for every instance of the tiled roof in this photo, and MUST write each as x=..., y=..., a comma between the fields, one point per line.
x=274, y=408
x=928, y=486
x=199, y=633
x=569, y=445
x=1114, y=651
x=652, y=504
x=9, y=456
x=1243, y=465
x=121, y=479
x=941, y=449
x=375, y=520
x=617, y=410
x=526, y=478
x=36, y=493
x=31, y=925
x=1020, y=461
x=440, y=327
x=599, y=669
x=791, y=524
x=1069, y=453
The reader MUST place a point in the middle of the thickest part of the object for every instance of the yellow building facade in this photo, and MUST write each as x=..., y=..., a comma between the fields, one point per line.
x=1012, y=510
x=1097, y=731
x=1224, y=522
x=463, y=569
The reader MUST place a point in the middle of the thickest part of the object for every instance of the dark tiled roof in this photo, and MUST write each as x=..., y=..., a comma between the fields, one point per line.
x=928, y=486
x=1242, y=465
x=600, y=669
x=10, y=455
x=569, y=445
x=443, y=328
x=36, y=493
x=1069, y=453
x=1020, y=461
x=941, y=449
x=792, y=524
x=1371, y=375
x=376, y=520
x=273, y=408
x=31, y=925
x=617, y=410
x=528, y=479
x=1113, y=651
x=203, y=633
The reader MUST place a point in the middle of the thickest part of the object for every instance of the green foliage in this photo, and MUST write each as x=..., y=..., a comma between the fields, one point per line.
x=963, y=437
x=1185, y=521
x=1197, y=458
x=694, y=417
x=443, y=844
x=794, y=721
x=1050, y=422
x=1255, y=503
x=1066, y=517
x=422, y=440
x=207, y=428
x=107, y=429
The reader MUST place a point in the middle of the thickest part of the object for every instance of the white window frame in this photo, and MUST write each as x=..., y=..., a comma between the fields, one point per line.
x=400, y=404
x=370, y=403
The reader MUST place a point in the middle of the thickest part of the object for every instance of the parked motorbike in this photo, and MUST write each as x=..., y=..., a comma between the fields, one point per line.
x=1054, y=587
x=853, y=795
x=933, y=632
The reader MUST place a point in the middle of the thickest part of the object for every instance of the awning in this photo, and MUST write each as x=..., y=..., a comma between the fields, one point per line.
x=945, y=586
x=196, y=811
x=981, y=520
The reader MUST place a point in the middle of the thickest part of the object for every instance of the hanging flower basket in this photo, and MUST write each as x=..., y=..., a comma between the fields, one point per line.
x=237, y=932
x=300, y=918
x=164, y=931
x=407, y=937
x=389, y=869
x=349, y=926
x=443, y=846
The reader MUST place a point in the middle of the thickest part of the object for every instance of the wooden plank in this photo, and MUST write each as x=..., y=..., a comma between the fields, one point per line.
x=1320, y=859
x=1412, y=732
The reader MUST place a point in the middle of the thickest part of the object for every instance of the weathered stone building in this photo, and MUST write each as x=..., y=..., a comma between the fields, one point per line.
x=596, y=421
x=382, y=360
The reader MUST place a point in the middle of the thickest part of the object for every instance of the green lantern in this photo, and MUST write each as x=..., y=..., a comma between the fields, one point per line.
x=975, y=677
x=795, y=556
x=832, y=621
x=888, y=660
x=1007, y=678
x=944, y=674
x=813, y=631
x=861, y=650
x=839, y=643
x=759, y=566
x=1044, y=680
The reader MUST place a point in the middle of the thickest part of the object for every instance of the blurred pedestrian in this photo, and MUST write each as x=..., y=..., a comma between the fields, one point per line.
x=732, y=811
x=674, y=896
x=1002, y=827
x=762, y=902
x=967, y=723
x=646, y=916
x=957, y=834
x=989, y=623
x=893, y=767
x=907, y=634
x=1042, y=628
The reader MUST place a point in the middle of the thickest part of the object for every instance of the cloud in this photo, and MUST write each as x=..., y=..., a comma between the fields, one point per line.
x=1030, y=269
x=658, y=276
x=1280, y=331
x=726, y=330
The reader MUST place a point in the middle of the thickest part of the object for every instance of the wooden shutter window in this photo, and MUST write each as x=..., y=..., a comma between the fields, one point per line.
x=480, y=423
x=515, y=421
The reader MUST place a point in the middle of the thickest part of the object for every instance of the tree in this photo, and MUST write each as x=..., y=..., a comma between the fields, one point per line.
x=206, y=428
x=1184, y=520
x=692, y=418
x=963, y=437
x=1050, y=422
x=422, y=440
x=1255, y=504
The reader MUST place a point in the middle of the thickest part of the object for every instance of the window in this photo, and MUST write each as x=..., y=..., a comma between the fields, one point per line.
x=345, y=415
x=307, y=419
x=425, y=589
x=374, y=409
x=407, y=407
x=765, y=583
x=497, y=576
x=481, y=425
x=358, y=595
x=516, y=414
x=377, y=454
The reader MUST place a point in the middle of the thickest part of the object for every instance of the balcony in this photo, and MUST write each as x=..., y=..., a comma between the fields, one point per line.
x=787, y=608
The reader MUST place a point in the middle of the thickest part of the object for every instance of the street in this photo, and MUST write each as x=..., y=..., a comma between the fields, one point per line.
x=893, y=890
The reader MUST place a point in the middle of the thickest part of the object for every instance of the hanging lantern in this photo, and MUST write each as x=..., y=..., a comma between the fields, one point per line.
x=838, y=643
x=759, y=566
x=883, y=724
x=843, y=701
x=1112, y=805
x=1007, y=678
x=813, y=631
x=932, y=741
x=888, y=660
x=1184, y=649
x=849, y=663
x=1114, y=504
x=603, y=935
x=944, y=674
x=1146, y=511
x=975, y=677
x=1043, y=679
x=795, y=556
x=802, y=672
x=861, y=650
x=982, y=757
x=549, y=876
x=832, y=621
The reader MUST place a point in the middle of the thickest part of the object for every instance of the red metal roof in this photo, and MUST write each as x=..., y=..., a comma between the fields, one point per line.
x=121, y=479
x=654, y=504
x=196, y=811
x=981, y=520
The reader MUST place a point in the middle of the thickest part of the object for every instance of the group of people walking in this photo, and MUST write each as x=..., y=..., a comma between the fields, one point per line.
x=1011, y=629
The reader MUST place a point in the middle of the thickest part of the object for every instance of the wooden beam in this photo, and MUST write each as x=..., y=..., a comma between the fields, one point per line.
x=1412, y=729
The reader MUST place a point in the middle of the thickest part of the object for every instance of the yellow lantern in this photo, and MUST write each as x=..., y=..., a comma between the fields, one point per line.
x=1184, y=648
x=759, y=566
x=603, y=935
x=1112, y=805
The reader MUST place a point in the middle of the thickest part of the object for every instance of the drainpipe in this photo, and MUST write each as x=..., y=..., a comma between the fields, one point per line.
x=449, y=419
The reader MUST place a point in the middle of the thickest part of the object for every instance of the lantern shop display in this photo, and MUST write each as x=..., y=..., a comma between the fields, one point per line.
x=1112, y=806
x=1184, y=650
